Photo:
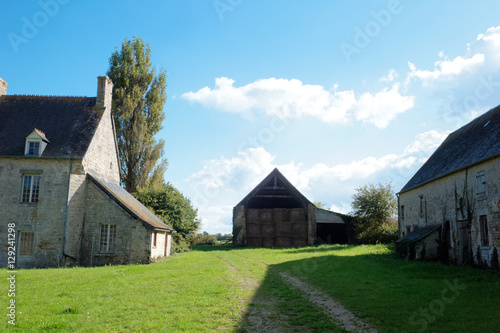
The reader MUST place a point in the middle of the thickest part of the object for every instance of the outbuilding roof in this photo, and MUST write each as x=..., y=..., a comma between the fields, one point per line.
x=419, y=233
x=69, y=122
x=275, y=191
x=130, y=204
x=476, y=142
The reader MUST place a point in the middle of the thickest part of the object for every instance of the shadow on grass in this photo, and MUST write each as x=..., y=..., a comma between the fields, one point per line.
x=394, y=295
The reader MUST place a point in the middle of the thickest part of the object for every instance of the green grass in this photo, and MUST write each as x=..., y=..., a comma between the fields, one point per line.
x=212, y=289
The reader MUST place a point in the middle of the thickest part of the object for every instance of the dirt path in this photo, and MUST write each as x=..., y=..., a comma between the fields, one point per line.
x=340, y=315
x=262, y=313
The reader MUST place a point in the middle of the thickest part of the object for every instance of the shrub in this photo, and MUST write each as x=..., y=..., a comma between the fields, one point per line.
x=202, y=239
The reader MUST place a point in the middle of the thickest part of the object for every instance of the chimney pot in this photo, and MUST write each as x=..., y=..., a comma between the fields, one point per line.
x=3, y=87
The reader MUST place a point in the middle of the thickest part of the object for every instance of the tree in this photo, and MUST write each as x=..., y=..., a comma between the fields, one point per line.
x=375, y=210
x=138, y=99
x=170, y=205
x=319, y=204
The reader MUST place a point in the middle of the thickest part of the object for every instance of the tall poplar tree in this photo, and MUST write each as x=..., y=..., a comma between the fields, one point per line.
x=139, y=95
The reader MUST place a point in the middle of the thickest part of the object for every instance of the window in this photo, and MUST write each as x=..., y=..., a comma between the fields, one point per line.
x=155, y=238
x=26, y=243
x=421, y=207
x=483, y=226
x=108, y=237
x=402, y=212
x=481, y=185
x=31, y=188
x=33, y=148
x=408, y=229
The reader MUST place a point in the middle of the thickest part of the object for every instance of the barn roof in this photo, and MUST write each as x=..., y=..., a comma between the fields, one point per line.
x=476, y=142
x=67, y=123
x=130, y=204
x=275, y=191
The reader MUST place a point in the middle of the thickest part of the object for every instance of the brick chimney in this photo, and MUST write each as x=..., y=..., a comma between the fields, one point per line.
x=3, y=87
x=104, y=91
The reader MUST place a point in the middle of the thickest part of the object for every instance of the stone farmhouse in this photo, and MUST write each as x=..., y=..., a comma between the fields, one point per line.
x=276, y=214
x=450, y=208
x=59, y=186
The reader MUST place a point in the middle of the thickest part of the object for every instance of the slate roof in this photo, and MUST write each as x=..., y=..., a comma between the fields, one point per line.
x=419, y=233
x=130, y=204
x=474, y=143
x=275, y=191
x=68, y=123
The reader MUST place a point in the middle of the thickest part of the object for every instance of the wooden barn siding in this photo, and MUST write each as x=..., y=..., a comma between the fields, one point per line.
x=276, y=227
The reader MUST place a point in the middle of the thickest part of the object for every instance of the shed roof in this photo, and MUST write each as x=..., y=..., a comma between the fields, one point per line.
x=327, y=216
x=130, y=204
x=419, y=233
x=69, y=122
x=275, y=191
x=476, y=142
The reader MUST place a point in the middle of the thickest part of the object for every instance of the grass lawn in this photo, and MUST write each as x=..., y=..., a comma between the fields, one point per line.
x=221, y=289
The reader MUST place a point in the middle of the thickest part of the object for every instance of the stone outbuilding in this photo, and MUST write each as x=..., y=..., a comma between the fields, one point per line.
x=455, y=196
x=276, y=214
x=59, y=186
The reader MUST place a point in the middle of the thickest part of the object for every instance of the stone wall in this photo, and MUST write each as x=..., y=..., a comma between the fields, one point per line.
x=133, y=241
x=446, y=201
x=45, y=218
x=101, y=157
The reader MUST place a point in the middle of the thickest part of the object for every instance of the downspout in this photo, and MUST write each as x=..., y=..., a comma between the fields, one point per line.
x=67, y=207
x=399, y=217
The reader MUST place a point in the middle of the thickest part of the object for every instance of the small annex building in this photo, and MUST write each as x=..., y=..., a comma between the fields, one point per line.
x=450, y=209
x=276, y=214
x=60, y=193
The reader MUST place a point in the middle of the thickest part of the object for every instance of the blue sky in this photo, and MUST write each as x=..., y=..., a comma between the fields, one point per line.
x=336, y=94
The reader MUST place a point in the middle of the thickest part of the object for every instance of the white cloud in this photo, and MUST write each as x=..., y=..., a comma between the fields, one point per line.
x=447, y=69
x=426, y=142
x=383, y=107
x=391, y=76
x=293, y=99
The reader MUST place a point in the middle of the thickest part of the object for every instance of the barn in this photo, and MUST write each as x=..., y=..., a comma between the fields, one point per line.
x=276, y=214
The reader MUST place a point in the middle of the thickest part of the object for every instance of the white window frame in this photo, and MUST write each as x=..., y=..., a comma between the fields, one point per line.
x=26, y=236
x=31, y=197
x=107, y=237
x=28, y=144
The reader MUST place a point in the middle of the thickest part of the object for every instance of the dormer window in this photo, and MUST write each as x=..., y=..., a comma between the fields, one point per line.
x=33, y=148
x=35, y=143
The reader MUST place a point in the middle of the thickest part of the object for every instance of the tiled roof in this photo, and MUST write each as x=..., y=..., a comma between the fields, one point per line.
x=69, y=122
x=474, y=143
x=42, y=135
x=130, y=204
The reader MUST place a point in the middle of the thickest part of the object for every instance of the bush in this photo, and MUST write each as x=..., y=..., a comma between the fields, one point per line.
x=385, y=233
x=180, y=244
x=202, y=239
